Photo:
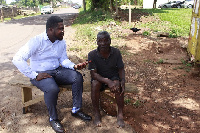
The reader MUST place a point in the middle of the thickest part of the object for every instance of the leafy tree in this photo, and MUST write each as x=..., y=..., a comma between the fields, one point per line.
x=32, y=3
x=3, y=2
x=106, y=4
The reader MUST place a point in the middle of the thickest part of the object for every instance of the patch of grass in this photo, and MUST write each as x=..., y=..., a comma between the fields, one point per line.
x=75, y=49
x=174, y=21
x=173, y=33
x=189, y=65
x=137, y=103
x=183, y=61
x=147, y=60
x=124, y=52
x=92, y=17
x=186, y=66
x=160, y=61
x=146, y=33
x=20, y=16
x=127, y=101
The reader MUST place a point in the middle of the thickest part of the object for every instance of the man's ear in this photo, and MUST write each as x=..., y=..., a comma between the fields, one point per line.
x=50, y=29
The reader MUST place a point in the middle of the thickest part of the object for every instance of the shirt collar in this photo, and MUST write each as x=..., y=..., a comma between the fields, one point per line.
x=47, y=38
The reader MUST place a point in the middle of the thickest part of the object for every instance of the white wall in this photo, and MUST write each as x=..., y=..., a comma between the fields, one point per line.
x=149, y=3
x=162, y=2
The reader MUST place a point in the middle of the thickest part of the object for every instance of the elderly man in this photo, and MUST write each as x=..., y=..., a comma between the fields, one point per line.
x=106, y=69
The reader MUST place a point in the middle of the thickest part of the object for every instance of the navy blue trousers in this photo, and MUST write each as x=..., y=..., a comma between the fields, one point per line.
x=60, y=76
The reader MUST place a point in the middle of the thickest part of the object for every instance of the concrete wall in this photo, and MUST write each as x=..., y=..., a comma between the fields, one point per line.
x=9, y=12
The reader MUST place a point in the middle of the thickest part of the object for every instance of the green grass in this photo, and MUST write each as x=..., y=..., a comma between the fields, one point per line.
x=20, y=16
x=89, y=22
x=174, y=21
x=186, y=66
x=160, y=61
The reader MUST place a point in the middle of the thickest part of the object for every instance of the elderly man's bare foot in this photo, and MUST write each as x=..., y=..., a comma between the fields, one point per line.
x=120, y=122
x=97, y=120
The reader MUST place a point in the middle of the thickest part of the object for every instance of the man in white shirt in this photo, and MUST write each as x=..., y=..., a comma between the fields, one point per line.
x=50, y=67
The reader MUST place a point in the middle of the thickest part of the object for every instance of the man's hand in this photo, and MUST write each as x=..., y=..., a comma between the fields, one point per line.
x=114, y=86
x=41, y=76
x=81, y=65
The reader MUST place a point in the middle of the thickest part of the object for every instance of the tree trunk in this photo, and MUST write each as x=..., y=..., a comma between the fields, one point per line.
x=93, y=5
x=84, y=5
x=116, y=8
x=135, y=1
x=154, y=3
x=111, y=7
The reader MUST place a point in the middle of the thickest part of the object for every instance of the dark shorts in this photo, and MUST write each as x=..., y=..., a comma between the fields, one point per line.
x=104, y=86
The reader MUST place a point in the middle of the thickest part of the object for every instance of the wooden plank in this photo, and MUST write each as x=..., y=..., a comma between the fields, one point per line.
x=33, y=101
x=27, y=87
x=103, y=94
x=26, y=94
x=131, y=88
x=25, y=82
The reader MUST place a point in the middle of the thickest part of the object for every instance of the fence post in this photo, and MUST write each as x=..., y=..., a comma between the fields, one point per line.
x=2, y=15
x=117, y=11
x=12, y=15
x=129, y=14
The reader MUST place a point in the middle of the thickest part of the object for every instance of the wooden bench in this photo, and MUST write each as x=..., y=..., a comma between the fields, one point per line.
x=27, y=96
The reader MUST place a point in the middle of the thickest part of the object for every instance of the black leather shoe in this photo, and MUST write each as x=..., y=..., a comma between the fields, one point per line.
x=57, y=127
x=82, y=116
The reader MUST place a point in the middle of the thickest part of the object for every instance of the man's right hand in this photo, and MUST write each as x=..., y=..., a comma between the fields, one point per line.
x=114, y=86
x=41, y=76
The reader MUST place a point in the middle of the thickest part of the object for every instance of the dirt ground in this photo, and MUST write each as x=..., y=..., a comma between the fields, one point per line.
x=167, y=98
x=168, y=89
x=13, y=35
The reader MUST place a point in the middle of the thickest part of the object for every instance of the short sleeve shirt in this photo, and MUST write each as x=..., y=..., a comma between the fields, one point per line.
x=109, y=67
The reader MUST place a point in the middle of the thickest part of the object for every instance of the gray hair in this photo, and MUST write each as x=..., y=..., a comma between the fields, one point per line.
x=104, y=34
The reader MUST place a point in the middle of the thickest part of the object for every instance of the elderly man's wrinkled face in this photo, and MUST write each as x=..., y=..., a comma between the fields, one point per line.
x=103, y=43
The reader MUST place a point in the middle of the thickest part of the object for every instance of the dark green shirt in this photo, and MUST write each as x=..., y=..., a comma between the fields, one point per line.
x=109, y=67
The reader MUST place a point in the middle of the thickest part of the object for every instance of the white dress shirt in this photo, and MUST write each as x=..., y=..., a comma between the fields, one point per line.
x=44, y=55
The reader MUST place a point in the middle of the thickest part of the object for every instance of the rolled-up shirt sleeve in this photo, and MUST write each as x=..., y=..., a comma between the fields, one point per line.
x=21, y=57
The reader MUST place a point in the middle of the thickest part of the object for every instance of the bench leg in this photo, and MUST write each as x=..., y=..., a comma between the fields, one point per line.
x=26, y=96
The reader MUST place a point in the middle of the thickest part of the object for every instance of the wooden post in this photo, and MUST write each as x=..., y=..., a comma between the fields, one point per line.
x=116, y=8
x=26, y=96
x=2, y=15
x=12, y=15
x=84, y=5
x=111, y=8
x=129, y=14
